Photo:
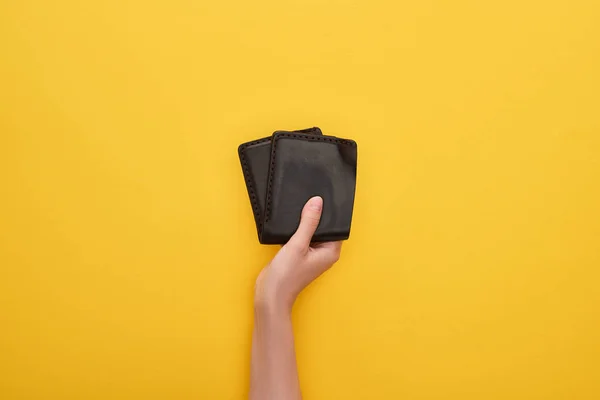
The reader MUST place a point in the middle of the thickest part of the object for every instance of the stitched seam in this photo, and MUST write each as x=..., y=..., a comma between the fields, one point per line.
x=248, y=177
x=273, y=153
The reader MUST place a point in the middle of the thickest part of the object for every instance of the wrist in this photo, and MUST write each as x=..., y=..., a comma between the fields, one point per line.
x=269, y=302
x=270, y=295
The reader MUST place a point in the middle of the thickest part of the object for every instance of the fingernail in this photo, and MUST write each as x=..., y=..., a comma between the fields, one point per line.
x=315, y=203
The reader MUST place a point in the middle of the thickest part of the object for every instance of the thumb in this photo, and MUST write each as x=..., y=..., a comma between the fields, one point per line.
x=309, y=221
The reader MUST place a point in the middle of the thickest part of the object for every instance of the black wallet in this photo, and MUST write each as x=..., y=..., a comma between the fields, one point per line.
x=284, y=170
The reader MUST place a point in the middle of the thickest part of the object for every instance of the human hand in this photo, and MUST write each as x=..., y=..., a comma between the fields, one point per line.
x=298, y=262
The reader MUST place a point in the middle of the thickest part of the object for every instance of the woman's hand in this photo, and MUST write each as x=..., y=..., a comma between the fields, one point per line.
x=298, y=262
x=274, y=374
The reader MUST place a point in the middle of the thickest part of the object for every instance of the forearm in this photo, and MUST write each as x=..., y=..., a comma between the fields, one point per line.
x=274, y=374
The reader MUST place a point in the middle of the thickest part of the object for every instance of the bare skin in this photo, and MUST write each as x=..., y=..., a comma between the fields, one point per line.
x=274, y=373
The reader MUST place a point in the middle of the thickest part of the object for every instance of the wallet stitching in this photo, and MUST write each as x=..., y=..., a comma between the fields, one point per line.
x=273, y=154
x=248, y=177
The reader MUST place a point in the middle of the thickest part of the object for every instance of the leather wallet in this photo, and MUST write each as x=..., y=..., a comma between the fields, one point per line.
x=284, y=170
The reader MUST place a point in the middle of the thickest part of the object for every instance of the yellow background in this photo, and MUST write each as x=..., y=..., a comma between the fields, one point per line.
x=127, y=246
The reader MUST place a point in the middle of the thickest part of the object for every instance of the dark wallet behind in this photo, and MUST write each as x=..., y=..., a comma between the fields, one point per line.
x=286, y=169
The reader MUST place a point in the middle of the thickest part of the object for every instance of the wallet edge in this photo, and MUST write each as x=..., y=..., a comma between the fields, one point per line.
x=249, y=180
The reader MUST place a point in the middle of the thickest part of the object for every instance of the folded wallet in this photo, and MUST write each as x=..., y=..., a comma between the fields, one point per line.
x=286, y=169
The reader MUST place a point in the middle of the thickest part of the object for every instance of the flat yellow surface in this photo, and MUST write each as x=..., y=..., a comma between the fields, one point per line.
x=127, y=247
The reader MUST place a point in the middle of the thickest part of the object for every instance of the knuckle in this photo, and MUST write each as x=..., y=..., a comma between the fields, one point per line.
x=335, y=256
